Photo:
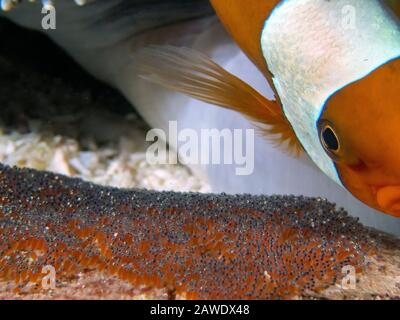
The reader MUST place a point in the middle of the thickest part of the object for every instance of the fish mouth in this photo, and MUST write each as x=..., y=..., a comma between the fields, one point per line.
x=388, y=199
x=378, y=191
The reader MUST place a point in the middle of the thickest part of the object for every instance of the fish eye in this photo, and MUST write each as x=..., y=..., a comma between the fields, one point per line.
x=329, y=139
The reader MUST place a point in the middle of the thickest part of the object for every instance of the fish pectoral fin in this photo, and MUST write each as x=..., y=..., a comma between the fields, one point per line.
x=192, y=73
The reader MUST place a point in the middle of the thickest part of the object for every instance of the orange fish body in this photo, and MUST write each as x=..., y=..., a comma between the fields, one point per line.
x=245, y=21
x=335, y=69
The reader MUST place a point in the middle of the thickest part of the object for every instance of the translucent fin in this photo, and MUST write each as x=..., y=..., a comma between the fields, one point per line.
x=189, y=72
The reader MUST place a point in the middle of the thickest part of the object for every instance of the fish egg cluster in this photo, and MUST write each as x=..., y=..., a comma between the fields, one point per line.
x=202, y=246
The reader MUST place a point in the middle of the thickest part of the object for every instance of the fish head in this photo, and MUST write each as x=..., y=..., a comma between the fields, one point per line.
x=360, y=130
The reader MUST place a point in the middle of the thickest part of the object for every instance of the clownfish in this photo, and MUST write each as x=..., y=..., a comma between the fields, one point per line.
x=335, y=70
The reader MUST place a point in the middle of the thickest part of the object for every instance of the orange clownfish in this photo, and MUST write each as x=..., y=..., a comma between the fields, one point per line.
x=335, y=69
